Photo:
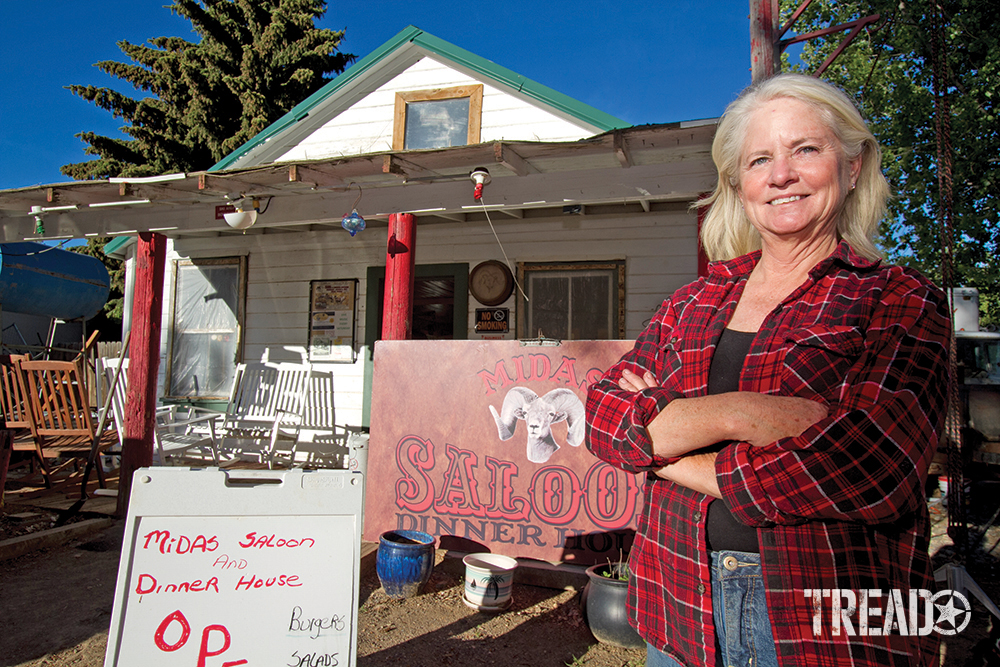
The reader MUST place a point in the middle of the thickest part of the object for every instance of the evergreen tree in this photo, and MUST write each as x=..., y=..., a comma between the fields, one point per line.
x=255, y=60
x=890, y=70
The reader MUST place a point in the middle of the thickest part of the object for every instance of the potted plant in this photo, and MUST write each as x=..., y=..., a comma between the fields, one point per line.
x=605, y=601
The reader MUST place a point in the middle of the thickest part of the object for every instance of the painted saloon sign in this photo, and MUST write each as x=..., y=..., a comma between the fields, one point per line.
x=481, y=443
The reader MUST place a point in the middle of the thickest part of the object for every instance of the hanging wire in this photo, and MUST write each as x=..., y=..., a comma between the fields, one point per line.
x=37, y=252
x=361, y=192
x=504, y=252
x=958, y=528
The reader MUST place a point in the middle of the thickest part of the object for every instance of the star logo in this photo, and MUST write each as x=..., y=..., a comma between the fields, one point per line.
x=953, y=615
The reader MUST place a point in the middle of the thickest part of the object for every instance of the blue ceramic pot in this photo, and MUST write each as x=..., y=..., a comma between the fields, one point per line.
x=404, y=561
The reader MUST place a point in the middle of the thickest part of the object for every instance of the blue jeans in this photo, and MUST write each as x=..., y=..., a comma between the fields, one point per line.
x=656, y=658
x=742, y=629
x=739, y=608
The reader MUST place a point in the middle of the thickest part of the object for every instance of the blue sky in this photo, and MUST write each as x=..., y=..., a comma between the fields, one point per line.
x=644, y=62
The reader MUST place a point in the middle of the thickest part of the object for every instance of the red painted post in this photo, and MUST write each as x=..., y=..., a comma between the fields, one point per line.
x=144, y=362
x=397, y=306
x=765, y=56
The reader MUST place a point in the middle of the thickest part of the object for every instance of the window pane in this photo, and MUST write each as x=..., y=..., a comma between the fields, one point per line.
x=437, y=123
x=549, y=306
x=572, y=303
x=591, y=307
x=203, y=349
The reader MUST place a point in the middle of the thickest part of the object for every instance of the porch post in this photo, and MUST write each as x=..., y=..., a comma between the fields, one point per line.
x=765, y=57
x=397, y=306
x=144, y=361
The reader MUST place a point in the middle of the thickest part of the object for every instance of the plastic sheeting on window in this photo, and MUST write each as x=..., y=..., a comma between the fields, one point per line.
x=571, y=304
x=206, y=330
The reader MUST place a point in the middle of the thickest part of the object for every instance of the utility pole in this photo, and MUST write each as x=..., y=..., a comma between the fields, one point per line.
x=765, y=52
x=766, y=31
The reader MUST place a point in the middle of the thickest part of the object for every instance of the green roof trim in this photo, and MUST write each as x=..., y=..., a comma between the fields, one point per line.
x=458, y=55
x=117, y=243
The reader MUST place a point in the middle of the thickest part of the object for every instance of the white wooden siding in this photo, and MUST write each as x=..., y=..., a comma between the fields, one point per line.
x=366, y=127
x=659, y=249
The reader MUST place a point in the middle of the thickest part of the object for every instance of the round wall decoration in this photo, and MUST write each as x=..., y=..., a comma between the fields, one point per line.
x=491, y=282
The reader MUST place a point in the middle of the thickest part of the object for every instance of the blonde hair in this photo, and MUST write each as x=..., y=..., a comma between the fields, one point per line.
x=726, y=231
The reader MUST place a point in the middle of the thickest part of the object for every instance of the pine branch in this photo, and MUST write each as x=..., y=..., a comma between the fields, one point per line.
x=119, y=105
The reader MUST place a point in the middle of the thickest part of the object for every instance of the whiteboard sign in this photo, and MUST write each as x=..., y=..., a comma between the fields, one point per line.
x=225, y=568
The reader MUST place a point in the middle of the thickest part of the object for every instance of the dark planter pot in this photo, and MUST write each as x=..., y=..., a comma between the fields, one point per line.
x=404, y=561
x=606, y=606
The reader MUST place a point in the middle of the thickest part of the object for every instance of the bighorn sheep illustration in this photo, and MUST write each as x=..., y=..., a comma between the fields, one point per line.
x=539, y=414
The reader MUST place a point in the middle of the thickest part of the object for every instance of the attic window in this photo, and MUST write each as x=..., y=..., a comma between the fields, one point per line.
x=437, y=118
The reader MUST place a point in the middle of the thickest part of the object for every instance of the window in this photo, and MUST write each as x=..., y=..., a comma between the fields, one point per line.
x=437, y=118
x=207, y=323
x=573, y=300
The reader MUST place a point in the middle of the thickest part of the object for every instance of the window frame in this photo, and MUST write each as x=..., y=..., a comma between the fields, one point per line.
x=616, y=265
x=240, y=261
x=474, y=92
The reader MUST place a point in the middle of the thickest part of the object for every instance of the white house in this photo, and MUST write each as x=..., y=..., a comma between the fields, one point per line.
x=593, y=218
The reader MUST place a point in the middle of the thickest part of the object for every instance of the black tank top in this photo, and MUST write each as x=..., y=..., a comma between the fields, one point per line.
x=722, y=531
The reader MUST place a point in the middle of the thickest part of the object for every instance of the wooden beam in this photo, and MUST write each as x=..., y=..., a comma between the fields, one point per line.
x=298, y=173
x=144, y=362
x=621, y=149
x=224, y=185
x=154, y=192
x=457, y=217
x=394, y=164
x=506, y=156
x=391, y=166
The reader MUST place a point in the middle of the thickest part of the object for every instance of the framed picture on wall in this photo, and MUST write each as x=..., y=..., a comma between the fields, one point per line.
x=332, y=307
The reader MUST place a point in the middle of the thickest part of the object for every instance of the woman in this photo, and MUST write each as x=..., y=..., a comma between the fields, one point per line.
x=785, y=408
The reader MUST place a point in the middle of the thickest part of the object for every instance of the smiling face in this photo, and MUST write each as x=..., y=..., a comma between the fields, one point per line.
x=793, y=174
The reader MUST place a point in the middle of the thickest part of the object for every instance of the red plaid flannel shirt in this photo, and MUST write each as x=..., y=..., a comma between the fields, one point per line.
x=841, y=506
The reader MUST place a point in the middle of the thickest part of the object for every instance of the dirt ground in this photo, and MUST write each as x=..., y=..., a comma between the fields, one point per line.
x=56, y=605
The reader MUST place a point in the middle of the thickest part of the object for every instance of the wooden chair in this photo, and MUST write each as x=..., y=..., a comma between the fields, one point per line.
x=12, y=397
x=174, y=433
x=60, y=418
x=265, y=411
x=15, y=415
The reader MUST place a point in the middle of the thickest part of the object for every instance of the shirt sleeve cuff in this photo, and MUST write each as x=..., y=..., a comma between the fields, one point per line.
x=648, y=404
x=733, y=468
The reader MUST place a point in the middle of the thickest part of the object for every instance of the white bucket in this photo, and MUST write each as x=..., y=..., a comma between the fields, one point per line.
x=488, y=581
x=357, y=444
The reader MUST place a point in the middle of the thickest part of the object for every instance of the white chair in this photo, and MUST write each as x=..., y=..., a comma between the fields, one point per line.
x=174, y=434
x=265, y=411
